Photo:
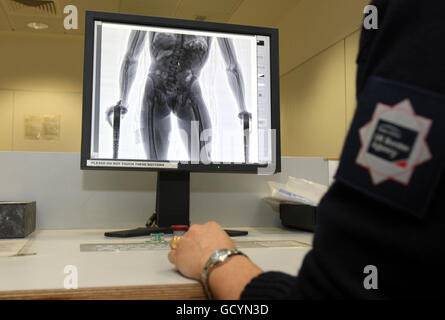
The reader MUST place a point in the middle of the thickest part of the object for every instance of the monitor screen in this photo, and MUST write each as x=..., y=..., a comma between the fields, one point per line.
x=176, y=94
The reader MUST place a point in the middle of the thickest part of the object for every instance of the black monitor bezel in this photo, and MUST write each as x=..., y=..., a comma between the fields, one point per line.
x=92, y=16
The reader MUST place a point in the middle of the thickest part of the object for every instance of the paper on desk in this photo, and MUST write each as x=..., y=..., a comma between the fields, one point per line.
x=298, y=191
x=10, y=248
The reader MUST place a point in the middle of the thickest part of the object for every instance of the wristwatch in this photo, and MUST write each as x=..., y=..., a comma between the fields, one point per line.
x=218, y=257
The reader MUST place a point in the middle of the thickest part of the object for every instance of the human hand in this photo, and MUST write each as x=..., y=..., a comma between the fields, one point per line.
x=110, y=111
x=244, y=114
x=245, y=117
x=196, y=246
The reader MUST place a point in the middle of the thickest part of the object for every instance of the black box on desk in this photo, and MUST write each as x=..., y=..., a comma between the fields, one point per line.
x=17, y=219
x=298, y=216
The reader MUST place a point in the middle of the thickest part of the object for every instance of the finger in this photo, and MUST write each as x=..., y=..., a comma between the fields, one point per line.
x=175, y=242
x=172, y=256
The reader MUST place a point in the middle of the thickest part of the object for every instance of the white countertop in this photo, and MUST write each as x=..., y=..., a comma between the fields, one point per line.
x=55, y=249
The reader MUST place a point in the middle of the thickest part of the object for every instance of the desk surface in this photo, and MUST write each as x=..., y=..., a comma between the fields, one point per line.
x=124, y=274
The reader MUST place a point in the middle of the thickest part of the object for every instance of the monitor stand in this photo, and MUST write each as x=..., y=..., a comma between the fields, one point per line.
x=172, y=207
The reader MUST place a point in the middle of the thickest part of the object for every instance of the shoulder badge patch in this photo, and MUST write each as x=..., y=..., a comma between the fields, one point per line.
x=393, y=143
x=395, y=148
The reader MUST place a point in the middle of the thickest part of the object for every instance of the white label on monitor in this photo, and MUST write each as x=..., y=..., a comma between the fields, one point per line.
x=131, y=164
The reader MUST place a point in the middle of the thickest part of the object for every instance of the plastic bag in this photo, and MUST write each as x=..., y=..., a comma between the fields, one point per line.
x=297, y=190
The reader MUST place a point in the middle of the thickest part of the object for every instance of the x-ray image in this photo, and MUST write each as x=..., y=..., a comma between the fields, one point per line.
x=176, y=95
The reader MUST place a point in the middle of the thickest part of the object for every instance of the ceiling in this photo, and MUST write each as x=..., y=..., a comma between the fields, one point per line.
x=16, y=14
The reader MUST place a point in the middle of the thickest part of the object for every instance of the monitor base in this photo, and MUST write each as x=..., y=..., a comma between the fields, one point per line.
x=140, y=232
x=152, y=227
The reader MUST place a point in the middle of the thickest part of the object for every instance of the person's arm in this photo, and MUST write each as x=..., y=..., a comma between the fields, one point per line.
x=236, y=81
x=128, y=70
x=227, y=280
x=234, y=74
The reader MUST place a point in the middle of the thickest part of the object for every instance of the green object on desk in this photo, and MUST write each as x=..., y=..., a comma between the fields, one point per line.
x=157, y=237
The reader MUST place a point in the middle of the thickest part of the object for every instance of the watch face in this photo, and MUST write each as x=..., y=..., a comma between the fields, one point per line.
x=221, y=254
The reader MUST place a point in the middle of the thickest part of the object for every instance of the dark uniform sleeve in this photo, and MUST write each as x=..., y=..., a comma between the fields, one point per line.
x=394, y=222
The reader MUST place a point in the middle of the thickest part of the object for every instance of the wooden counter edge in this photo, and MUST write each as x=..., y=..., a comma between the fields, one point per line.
x=193, y=291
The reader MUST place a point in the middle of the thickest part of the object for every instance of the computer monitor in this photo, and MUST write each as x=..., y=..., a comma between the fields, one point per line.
x=179, y=96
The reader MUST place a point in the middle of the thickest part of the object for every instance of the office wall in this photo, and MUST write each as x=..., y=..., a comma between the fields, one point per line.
x=313, y=105
x=6, y=118
x=40, y=76
x=313, y=26
x=69, y=198
x=318, y=101
x=318, y=47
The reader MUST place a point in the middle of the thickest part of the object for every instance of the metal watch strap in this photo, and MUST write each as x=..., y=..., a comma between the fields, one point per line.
x=218, y=257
